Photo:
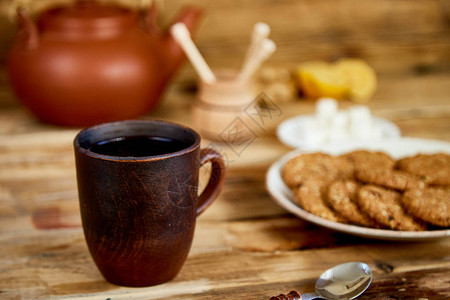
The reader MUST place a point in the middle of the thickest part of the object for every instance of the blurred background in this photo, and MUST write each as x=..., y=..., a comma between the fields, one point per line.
x=394, y=36
x=397, y=38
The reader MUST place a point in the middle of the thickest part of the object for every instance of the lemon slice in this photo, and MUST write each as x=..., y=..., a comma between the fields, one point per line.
x=320, y=79
x=348, y=78
x=361, y=78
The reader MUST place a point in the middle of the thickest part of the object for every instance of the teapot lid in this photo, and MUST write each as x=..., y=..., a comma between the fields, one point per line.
x=87, y=14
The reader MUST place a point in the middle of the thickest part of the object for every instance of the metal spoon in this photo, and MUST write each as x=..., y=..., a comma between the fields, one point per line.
x=345, y=281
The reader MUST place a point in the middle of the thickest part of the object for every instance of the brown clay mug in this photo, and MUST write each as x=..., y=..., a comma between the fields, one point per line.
x=138, y=192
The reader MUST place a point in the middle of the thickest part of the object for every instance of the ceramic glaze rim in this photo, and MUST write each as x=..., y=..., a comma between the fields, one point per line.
x=84, y=139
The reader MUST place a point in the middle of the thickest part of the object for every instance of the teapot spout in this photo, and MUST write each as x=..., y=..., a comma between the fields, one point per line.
x=190, y=16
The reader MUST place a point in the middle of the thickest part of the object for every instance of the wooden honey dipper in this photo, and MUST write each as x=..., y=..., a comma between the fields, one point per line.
x=261, y=48
x=260, y=32
x=181, y=34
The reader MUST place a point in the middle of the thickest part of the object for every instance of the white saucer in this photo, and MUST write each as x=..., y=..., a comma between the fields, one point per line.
x=397, y=148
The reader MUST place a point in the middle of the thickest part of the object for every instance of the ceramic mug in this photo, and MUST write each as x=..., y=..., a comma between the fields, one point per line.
x=139, y=209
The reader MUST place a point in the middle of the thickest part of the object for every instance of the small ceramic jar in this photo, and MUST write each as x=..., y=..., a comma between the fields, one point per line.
x=221, y=109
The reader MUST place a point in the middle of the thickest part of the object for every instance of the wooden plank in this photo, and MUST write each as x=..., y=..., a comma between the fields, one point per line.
x=58, y=263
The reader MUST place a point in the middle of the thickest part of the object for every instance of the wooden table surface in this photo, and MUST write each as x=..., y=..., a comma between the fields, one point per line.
x=245, y=245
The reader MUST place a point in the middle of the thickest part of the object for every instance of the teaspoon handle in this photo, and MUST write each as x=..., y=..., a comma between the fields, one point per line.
x=294, y=295
x=311, y=296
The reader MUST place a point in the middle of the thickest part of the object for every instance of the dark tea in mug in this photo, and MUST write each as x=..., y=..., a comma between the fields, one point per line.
x=138, y=146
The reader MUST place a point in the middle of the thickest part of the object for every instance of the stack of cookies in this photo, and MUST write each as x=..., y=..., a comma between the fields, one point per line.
x=372, y=189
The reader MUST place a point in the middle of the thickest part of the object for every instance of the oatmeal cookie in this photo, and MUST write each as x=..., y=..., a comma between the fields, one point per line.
x=315, y=166
x=363, y=159
x=434, y=169
x=389, y=178
x=310, y=197
x=341, y=197
x=384, y=207
x=431, y=205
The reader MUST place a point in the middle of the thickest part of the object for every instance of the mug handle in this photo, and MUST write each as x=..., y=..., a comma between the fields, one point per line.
x=216, y=179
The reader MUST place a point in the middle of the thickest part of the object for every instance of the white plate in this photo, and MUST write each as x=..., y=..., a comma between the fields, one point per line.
x=397, y=148
x=291, y=132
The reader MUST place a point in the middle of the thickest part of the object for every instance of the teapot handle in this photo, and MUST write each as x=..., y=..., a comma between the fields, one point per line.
x=29, y=29
x=189, y=15
x=150, y=20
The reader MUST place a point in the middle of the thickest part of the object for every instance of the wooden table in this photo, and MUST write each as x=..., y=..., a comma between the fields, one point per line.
x=245, y=246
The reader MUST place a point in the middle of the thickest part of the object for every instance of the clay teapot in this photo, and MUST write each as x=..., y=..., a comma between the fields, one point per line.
x=90, y=63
